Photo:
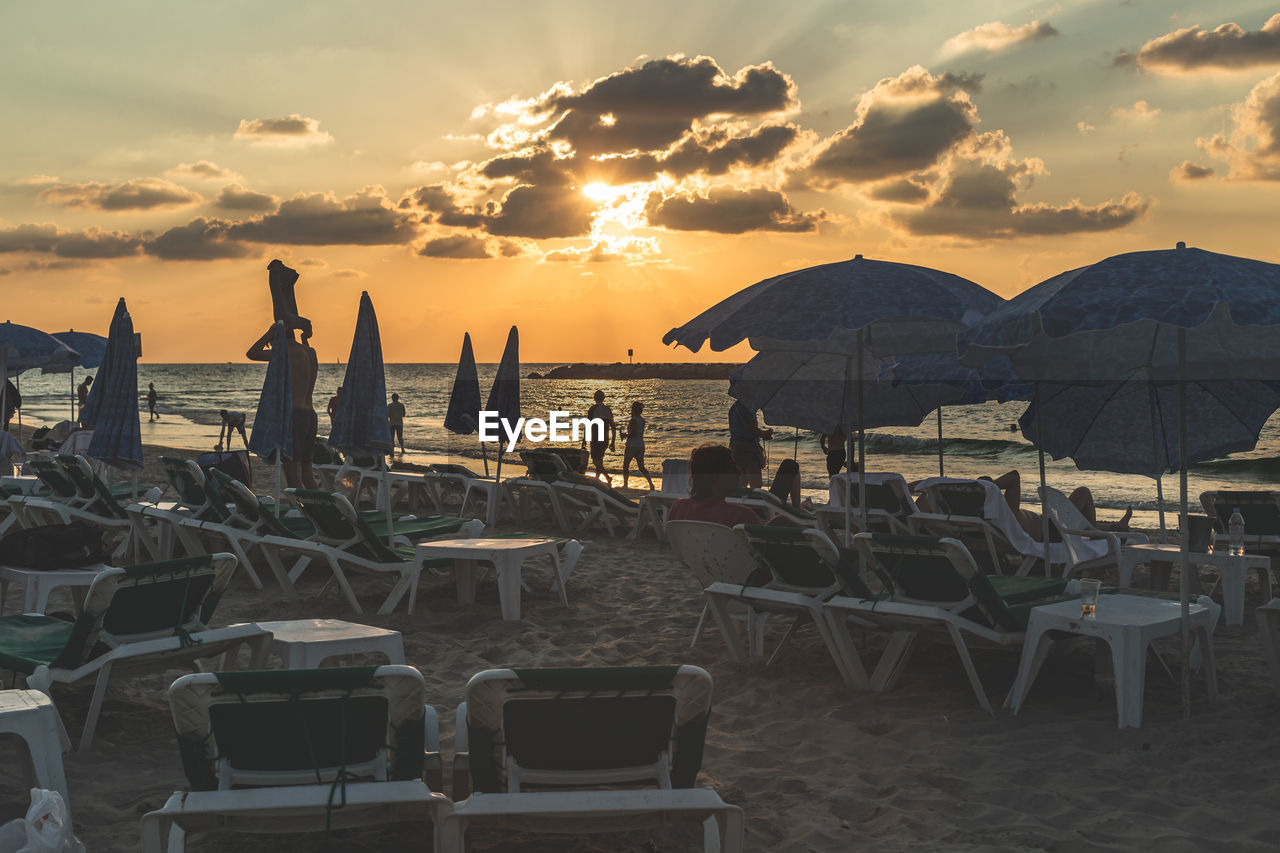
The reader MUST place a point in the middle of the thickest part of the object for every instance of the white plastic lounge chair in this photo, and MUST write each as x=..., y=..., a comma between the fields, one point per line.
x=535, y=487
x=150, y=618
x=323, y=749
x=654, y=506
x=937, y=589
x=586, y=502
x=719, y=554
x=889, y=505
x=766, y=504
x=804, y=570
x=1080, y=538
x=586, y=729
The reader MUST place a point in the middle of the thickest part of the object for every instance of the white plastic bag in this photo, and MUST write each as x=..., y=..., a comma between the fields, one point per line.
x=47, y=828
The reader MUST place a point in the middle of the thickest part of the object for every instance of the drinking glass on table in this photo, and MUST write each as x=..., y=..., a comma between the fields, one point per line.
x=1089, y=592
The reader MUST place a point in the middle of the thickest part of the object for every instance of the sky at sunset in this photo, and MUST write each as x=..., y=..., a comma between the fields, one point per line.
x=598, y=172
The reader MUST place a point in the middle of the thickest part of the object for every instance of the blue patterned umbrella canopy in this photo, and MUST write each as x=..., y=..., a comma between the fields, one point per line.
x=1132, y=427
x=22, y=348
x=91, y=349
x=360, y=424
x=272, y=436
x=900, y=308
x=112, y=407
x=995, y=380
x=463, y=415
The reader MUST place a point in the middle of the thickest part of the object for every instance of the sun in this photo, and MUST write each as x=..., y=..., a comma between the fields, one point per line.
x=602, y=192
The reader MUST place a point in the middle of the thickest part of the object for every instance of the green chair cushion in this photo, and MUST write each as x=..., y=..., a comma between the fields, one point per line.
x=30, y=640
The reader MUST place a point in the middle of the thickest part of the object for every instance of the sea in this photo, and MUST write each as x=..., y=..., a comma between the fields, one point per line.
x=680, y=415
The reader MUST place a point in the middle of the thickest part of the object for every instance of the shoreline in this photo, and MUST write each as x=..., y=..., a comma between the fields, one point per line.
x=643, y=370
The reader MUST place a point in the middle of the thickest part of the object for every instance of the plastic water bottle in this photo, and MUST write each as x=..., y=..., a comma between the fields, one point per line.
x=1235, y=533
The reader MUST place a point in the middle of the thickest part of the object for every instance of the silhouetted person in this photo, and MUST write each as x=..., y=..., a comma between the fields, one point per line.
x=833, y=446
x=303, y=367
x=744, y=440
x=786, y=482
x=82, y=394
x=713, y=476
x=395, y=417
x=333, y=403
x=152, y=396
x=233, y=420
x=284, y=305
x=607, y=441
x=634, y=447
x=12, y=402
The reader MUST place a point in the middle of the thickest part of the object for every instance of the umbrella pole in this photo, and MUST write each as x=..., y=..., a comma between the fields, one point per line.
x=1160, y=501
x=1044, y=516
x=18, y=385
x=4, y=380
x=73, y=394
x=940, y=469
x=1184, y=580
x=848, y=465
x=1155, y=455
x=275, y=506
x=862, y=450
x=484, y=454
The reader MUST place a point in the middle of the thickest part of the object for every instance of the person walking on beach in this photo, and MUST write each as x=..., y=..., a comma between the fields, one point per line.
x=608, y=440
x=634, y=447
x=232, y=420
x=395, y=415
x=152, y=396
x=303, y=367
x=82, y=393
x=744, y=440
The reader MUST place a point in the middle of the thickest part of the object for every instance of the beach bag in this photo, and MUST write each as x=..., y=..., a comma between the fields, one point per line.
x=46, y=828
x=53, y=546
x=233, y=464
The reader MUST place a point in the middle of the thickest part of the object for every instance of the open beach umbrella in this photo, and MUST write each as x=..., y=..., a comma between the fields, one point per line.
x=272, y=436
x=463, y=415
x=91, y=349
x=1178, y=316
x=504, y=396
x=360, y=424
x=112, y=407
x=22, y=348
x=855, y=308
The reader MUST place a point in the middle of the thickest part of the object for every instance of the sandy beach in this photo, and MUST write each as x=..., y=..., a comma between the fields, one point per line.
x=815, y=766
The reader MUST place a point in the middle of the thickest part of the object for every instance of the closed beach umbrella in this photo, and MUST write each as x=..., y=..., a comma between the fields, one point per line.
x=360, y=423
x=112, y=407
x=463, y=415
x=1180, y=316
x=854, y=308
x=272, y=436
x=504, y=396
x=91, y=349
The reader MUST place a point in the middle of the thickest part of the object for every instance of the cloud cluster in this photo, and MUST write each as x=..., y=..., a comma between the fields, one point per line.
x=996, y=36
x=90, y=243
x=366, y=218
x=1228, y=47
x=1252, y=147
x=290, y=131
x=204, y=169
x=1188, y=171
x=729, y=211
x=234, y=197
x=137, y=194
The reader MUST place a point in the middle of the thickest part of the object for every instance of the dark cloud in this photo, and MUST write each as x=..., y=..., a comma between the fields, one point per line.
x=1189, y=171
x=290, y=130
x=1229, y=46
x=651, y=107
x=995, y=36
x=716, y=152
x=138, y=194
x=1124, y=59
x=621, y=168
x=539, y=166
x=91, y=243
x=904, y=125
x=729, y=211
x=202, y=169
x=542, y=213
x=440, y=206
x=199, y=240
x=320, y=219
x=237, y=198
x=901, y=190
x=457, y=246
x=978, y=201
x=1252, y=148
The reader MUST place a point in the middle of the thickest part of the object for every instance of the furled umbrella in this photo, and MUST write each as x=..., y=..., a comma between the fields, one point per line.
x=463, y=415
x=1173, y=316
x=504, y=395
x=856, y=308
x=112, y=407
x=360, y=424
x=272, y=436
x=91, y=349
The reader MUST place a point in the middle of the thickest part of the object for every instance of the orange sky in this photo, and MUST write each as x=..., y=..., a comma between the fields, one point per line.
x=597, y=177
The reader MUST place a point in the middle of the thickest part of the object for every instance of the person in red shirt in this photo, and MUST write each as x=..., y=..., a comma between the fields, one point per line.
x=713, y=476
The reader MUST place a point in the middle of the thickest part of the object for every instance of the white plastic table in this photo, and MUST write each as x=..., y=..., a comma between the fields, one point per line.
x=30, y=715
x=306, y=643
x=1233, y=571
x=506, y=556
x=1128, y=623
x=37, y=584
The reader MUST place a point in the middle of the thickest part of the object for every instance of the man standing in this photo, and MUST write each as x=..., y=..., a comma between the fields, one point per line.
x=152, y=396
x=303, y=367
x=744, y=440
x=608, y=440
x=82, y=393
x=395, y=416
